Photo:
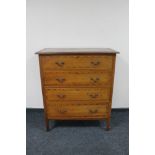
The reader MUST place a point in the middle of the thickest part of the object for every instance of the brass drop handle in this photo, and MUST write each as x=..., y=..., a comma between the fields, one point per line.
x=93, y=111
x=62, y=111
x=93, y=95
x=60, y=63
x=95, y=63
x=61, y=80
x=61, y=96
x=95, y=79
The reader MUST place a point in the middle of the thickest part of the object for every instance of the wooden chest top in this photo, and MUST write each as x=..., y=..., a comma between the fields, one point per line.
x=77, y=51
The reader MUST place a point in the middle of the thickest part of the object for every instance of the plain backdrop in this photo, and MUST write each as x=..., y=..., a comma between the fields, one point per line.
x=77, y=23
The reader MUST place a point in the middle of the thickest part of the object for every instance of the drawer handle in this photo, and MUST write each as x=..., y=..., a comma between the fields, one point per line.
x=93, y=111
x=95, y=79
x=61, y=80
x=60, y=64
x=95, y=63
x=93, y=95
x=61, y=96
x=63, y=111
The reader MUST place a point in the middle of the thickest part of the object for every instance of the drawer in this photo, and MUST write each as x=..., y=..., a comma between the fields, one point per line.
x=75, y=78
x=77, y=94
x=77, y=111
x=103, y=62
x=76, y=103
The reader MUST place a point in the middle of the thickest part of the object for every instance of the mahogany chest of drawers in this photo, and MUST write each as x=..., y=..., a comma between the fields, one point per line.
x=77, y=84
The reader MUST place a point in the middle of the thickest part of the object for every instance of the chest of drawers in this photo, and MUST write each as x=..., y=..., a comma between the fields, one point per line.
x=77, y=84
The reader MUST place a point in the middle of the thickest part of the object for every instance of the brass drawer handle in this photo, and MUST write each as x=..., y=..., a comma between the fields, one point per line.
x=95, y=63
x=93, y=111
x=61, y=96
x=63, y=111
x=93, y=95
x=60, y=64
x=95, y=79
x=61, y=80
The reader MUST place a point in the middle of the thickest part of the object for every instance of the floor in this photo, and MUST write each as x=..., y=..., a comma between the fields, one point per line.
x=77, y=137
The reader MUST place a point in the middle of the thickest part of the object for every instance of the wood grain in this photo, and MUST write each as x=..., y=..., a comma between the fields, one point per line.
x=75, y=111
x=77, y=103
x=62, y=62
x=77, y=86
x=43, y=93
x=77, y=78
x=78, y=94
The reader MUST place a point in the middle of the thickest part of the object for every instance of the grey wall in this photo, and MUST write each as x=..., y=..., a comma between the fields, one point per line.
x=77, y=23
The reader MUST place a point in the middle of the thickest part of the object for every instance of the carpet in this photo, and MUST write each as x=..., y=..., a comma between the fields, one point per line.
x=77, y=137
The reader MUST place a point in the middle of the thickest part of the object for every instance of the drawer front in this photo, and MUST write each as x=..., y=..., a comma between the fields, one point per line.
x=77, y=111
x=62, y=79
x=75, y=94
x=104, y=62
x=75, y=103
